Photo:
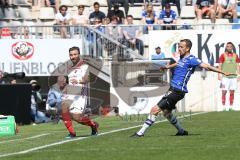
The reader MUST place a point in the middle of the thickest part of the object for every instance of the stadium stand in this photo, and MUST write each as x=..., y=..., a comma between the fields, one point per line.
x=223, y=24
x=136, y=12
x=47, y=13
x=21, y=3
x=187, y=12
x=24, y=13
x=10, y=13
x=174, y=8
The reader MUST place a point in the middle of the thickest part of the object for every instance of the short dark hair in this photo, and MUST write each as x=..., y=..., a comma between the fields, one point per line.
x=96, y=3
x=63, y=6
x=129, y=16
x=81, y=6
x=114, y=18
x=188, y=43
x=167, y=6
x=74, y=48
x=230, y=43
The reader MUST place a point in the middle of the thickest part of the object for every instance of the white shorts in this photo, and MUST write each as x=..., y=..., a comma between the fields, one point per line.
x=77, y=103
x=229, y=83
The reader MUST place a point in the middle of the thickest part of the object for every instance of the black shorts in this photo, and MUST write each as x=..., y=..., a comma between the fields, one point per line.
x=170, y=99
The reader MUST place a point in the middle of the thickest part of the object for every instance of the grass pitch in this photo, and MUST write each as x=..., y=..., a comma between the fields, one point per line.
x=213, y=136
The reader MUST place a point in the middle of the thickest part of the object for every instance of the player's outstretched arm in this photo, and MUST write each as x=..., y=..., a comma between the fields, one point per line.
x=169, y=66
x=214, y=69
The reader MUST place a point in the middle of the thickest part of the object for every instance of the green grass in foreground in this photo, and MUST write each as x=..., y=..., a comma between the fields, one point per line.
x=212, y=136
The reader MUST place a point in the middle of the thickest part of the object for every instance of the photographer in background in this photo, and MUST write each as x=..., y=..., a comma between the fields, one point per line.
x=36, y=100
x=3, y=77
x=54, y=100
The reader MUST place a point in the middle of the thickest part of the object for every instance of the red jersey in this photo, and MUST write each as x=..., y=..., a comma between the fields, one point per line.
x=229, y=55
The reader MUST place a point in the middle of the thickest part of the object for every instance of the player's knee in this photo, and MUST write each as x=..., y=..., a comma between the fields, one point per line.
x=166, y=113
x=231, y=91
x=64, y=106
x=224, y=92
x=155, y=110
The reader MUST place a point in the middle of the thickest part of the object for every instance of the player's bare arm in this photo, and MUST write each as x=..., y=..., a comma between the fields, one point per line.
x=169, y=66
x=219, y=74
x=214, y=69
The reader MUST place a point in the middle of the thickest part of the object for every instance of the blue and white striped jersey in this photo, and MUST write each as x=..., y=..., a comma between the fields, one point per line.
x=183, y=71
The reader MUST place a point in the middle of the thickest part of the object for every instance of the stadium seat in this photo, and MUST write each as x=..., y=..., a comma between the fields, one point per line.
x=16, y=27
x=29, y=26
x=137, y=22
x=47, y=31
x=104, y=10
x=236, y=25
x=186, y=23
x=4, y=23
x=174, y=8
x=82, y=2
x=238, y=11
x=1, y=14
x=204, y=24
x=102, y=2
x=73, y=10
x=10, y=13
x=157, y=9
x=67, y=2
x=188, y=12
x=47, y=13
x=122, y=9
x=223, y=24
x=24, y=13
x=21, y=3
x=136, y=12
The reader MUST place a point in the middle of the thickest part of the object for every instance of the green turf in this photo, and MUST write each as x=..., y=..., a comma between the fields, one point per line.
x=212, y=136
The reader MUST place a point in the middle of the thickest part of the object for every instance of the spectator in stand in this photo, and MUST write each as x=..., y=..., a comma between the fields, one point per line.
x=114, y=31
x=227, y=8
x=124, y=3
x=168, y=16
x=4, y=4
x=149, y=17
x=158, y=55
x=63, y=19
x=116, y=13
x=55, y=3
x=206, y=8
x=80, y=19
x=176, y=2
x=131, y=34
x=92, y=38
x=97, y=13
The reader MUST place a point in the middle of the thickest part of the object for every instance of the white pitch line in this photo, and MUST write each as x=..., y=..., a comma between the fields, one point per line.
x=81, y=138
x=37, y=136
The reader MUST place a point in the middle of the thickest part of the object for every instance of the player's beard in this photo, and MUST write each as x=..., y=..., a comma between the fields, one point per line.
x=75, y=61
x=181, y=56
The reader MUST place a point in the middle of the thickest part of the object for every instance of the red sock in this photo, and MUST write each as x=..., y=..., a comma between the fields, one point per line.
x=68, y=122
x=86, y=121
x=223, y=97
x=231, y=97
